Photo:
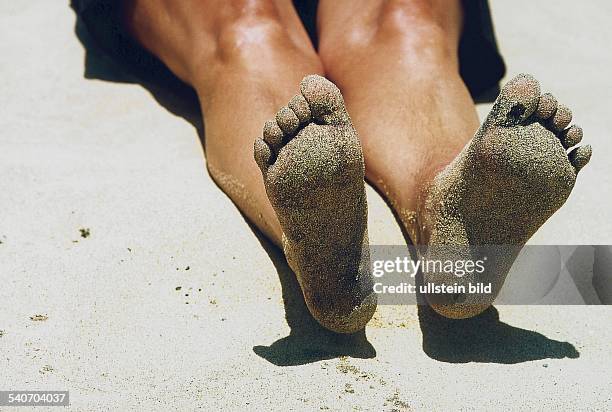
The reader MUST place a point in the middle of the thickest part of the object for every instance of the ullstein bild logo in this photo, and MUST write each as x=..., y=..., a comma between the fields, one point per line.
x=507, y=274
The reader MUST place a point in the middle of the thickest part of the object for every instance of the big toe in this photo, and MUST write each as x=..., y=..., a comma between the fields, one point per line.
x=517, y=101
x=324, y=98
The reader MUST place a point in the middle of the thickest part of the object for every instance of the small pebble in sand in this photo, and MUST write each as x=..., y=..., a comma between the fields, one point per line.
x=46, y=368
x=85, y=232
x=39, y=318
x=178, y=288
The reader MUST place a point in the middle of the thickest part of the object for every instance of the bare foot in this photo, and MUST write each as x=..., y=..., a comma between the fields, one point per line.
x=313, y=171
x=507, y=181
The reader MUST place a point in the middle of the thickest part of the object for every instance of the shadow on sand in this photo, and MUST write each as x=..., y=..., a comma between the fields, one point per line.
x=485, y=338
x=480, y=339
x=307, y=341
x=172, y=94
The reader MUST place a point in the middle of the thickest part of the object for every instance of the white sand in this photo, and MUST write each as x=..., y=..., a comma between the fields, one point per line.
x=78, y=153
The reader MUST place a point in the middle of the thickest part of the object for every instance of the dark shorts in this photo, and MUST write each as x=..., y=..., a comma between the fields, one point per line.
x=481, y=64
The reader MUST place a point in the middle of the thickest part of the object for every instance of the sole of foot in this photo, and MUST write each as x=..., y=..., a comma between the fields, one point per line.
x=517, y=170
x=313, y=171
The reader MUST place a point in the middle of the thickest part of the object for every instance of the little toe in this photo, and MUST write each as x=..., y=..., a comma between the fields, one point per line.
x=263, y=154
x=517, y=100
x=287, y=121
x=272, y=134
x=323, y=97
x=300, y=107
x=580, y=156
x=571, y=137
x=546, y=106
x=561, y=119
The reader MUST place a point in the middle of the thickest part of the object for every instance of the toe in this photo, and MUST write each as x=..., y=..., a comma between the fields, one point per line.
x=561, y=118
x=517, y=101
x=262, y=154
x=272, y=134
x=300, y=107
x=546, y=106
x=580, y=156
x=571, y=137
x=323, y=97
x=287, y=121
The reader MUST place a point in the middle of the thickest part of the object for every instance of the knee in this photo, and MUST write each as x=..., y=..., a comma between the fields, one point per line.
x=422, y=22
x=398, y=15
x=411, y=26
x=247, y=24
x=237, y=10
